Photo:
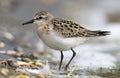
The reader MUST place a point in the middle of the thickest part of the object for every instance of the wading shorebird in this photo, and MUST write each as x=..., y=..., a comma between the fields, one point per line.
x=61, y=34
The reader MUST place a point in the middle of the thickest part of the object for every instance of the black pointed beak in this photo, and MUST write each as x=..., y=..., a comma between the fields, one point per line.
x=29, y=22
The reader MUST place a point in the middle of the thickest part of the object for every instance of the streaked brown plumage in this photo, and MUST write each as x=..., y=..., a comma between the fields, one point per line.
x=70, y=29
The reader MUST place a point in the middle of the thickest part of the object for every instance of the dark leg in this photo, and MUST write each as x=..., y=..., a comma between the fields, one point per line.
x=61, y=60
x=70, y=59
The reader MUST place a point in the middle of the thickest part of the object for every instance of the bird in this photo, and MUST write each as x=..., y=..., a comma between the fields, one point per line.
x=62, y=34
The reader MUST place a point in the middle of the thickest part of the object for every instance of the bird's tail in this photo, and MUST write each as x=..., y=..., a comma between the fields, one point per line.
x=101, y=33
x=97, y=33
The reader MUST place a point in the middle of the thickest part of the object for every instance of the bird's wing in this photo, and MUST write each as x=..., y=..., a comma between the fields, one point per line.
x=68, y=29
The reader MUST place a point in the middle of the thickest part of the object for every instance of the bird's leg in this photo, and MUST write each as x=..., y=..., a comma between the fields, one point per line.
x=61, y=59
x=70, y=59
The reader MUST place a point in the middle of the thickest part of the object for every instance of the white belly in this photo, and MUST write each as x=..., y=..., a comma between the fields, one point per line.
x=59, y=43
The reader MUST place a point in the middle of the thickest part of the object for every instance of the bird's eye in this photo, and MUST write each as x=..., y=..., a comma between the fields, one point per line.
x=40, y=17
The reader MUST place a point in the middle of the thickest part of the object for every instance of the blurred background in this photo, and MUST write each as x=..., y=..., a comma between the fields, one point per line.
x=91, y=14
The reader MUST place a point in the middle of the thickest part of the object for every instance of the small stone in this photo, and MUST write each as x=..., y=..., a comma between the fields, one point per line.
x=38, y=63
x=27, y=64
x=23, y=76
x=8, y=35
x=4, y=71
x=2, y=44
x=41, y=76
x=11, y=52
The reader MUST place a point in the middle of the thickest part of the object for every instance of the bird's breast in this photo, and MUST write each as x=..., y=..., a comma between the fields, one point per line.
x=57, y=42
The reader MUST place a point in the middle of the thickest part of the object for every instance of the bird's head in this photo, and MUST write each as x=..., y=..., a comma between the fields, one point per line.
x=39, y=17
